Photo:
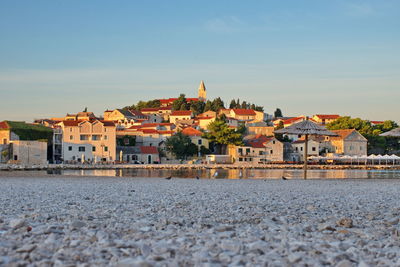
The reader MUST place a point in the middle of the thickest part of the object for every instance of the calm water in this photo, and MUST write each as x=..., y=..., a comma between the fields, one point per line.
x=239, y=174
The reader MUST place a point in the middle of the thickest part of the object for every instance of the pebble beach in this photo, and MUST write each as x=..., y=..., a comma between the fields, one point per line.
x=97, y=221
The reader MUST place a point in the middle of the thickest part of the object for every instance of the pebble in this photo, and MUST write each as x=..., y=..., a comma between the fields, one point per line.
x=100, y=222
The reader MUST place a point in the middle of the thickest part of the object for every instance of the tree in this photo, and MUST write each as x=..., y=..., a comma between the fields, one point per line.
x=208, y=106
x=217, y=104
x=197, y=107
x=181, y=146
x=232, y=104
x=278, y=113
x=376, y=143
x=244, y=105
x=85, y=110
x=179, y=103
x=221, y=135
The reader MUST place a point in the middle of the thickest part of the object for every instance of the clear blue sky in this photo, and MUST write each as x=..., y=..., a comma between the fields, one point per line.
x=305, y=57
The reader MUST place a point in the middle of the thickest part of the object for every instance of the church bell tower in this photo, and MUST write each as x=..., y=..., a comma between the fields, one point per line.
x=202, y=92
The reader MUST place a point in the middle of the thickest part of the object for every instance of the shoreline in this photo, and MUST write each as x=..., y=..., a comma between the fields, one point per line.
x=14, y=167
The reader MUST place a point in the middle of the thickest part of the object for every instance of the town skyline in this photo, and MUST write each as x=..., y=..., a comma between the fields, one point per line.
x=337, y=57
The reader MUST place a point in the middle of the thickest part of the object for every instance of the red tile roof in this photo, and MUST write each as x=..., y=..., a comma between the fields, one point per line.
x=328, y=116
x=190, y=131
x=4, y=125
x=149, y=109
x=148, y=150
x=148, y=131
x=377, y=122
x=244, y=112
x=165, y=132
x=156, y=124
x=181, y=113
x=342, y=134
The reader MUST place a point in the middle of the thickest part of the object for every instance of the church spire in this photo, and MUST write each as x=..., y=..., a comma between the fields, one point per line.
x=202, y=91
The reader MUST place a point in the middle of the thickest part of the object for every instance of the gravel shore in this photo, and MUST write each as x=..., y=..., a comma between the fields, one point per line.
x=94, y=221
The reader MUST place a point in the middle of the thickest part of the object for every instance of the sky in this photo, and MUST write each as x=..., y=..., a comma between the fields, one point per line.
x=304, y=57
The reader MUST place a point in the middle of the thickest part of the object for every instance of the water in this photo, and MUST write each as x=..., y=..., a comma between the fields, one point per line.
x=237, y=173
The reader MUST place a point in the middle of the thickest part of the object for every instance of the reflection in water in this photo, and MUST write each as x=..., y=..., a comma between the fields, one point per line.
x=237, y=173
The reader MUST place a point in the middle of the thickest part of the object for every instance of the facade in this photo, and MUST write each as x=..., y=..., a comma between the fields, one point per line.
x=162, y=112
x=258, y=150
x=299, y=147
x=138, y=154
x=28, y=152
x=73, y=153
x=325, y=118
x=260, y=128
x=196, y=137
x=180, y=115
x=349, y=142
x=101, y=135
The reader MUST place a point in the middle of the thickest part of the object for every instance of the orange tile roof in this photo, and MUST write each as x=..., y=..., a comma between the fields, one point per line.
x=4, y=125
x=148, y=131
x=328, y=116
x=181, y=113
x=148, y=150
x=190, y=131
x=342, y=134
x=245, y=112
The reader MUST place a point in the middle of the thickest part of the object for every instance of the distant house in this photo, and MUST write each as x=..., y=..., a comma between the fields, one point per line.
x=325, y=118
x=163, y=112
x=243, y=115
x=204, y=121
x=196, y=137
x=349, y=142
x=260, y=149
x=138, y=154
x=180, y=115
x=261, y=128
x=80, y=116
x=97, y=136
x=24, y=143
x=299, y=148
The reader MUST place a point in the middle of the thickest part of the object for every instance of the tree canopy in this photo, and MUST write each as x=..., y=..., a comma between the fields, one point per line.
x=181, y=146
x=278, y=113
x=376, y=143
x=221, y=135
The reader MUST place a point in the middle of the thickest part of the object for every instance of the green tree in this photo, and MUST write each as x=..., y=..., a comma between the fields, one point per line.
x=221, y=135
x=181, y=146
x=232, y=104
x=278, y=113
x=208, y=106
x=197, y=107
x=179, y=103
x=217, y=104
x=244, y=105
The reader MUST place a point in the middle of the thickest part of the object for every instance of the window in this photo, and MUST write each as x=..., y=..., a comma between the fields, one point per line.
x=70, y=148
x=199, y=141
x=260, y=153
x=240, y=159
x=73, y=158
x=4, y=141
x=70, y=129
x=351, y=148
x=106, y=148
x=271, y=152
x=81, y=149
x=93, y=148
x=105, y=137
x=247, y=150
x=105, y=129
x=314, y=148
x=297, y=149
x=301, y=148
x=96, y=137
x=240, y=150
x=71, y=137
x=361, y=148
x=15, y=157
x=273, y=142
x=126, y=141
x=84, y=137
